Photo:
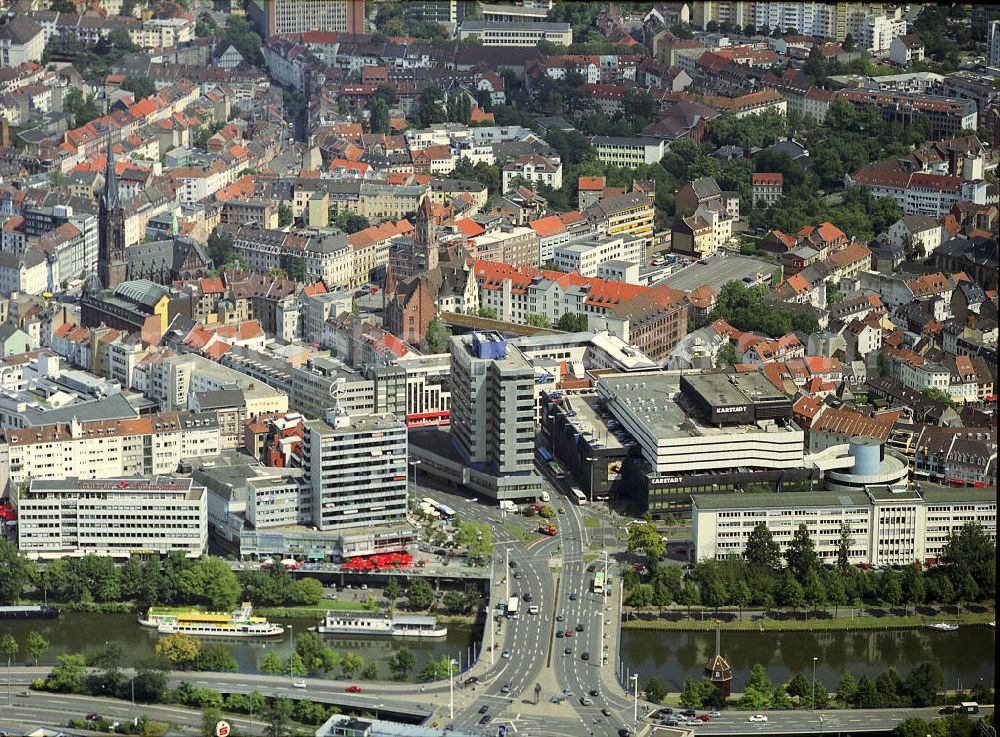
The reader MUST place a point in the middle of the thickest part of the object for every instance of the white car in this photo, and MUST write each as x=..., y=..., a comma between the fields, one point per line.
x=758, y=718
x=299, y=684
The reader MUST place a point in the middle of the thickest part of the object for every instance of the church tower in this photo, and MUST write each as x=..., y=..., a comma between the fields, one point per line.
x=111, y=229
x=425, y=236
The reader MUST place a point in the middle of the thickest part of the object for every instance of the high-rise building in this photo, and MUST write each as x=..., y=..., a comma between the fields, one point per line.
x=276, y=17
x=994, y=43
x=492, y=404
x=356, y=470
x=111, y=229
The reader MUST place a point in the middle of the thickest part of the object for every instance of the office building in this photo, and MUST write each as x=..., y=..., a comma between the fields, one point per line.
x=994, y=43
x=584, y=255
x=520, y=33
x=119, y=517
x=656, y=437
x=356, y=469
x=276, y=17
x=887, y=527
x=628, y=152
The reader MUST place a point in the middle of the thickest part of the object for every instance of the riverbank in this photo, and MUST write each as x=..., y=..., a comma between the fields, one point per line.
x=646, y=621
x=333, y=605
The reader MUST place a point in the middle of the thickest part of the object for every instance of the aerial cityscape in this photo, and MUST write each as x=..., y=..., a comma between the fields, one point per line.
x=498, y=368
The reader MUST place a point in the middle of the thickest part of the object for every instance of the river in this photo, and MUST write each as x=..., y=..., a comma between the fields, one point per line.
x=965, y=656
x=88, y=633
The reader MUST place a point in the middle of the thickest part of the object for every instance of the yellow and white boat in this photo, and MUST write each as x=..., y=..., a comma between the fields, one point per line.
x=240, y=623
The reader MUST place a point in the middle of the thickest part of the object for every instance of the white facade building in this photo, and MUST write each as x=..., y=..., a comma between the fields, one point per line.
x=584, y=255
x=119, y=517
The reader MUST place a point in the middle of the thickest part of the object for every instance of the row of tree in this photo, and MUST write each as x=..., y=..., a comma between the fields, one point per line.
x=765, y=577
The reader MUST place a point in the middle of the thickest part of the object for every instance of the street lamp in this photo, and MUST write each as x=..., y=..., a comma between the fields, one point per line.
x=413, y=481
x=815, y=659
x=635, y=708
x=451, y=688
x=591, y=460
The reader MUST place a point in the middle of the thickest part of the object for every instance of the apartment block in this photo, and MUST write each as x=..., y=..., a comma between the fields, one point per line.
x=517, y=33
x=628, y=152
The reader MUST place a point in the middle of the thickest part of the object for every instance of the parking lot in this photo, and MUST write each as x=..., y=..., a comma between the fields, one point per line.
x=719, y=269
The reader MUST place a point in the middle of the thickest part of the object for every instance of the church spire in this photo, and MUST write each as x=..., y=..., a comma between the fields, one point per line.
x=111, y=197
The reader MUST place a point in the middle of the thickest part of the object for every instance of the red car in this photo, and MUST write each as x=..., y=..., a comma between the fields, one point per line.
x=569, y=633
x=353, y=689
x=704, y=717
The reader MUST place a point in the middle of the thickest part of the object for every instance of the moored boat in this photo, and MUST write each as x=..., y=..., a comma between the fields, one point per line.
x=943, y=627
x=240, y=623
x=29, y=612
x=380, y=624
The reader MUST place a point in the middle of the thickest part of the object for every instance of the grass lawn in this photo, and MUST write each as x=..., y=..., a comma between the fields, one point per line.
x=838, y=623
x=520, y=533
x=590, y=521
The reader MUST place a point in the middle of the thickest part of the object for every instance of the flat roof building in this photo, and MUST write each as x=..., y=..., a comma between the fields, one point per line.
x=119, y=517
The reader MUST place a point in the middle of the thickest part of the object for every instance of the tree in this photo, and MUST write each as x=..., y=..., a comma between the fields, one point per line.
x=762, y=552
x=848, y=43
x=271, y=664
x=285, y=215
x=241, y=34
x=740, y=594
x=890, y=589
x=180, y=649
x=799, y=686
x=15, y=572
x=69, y=675
x=392, y=590
x=844, y=547
x=866, y=696
x=801, y=554
x=690, y=596
x=420, y=594
x=297, y=269
x=150, y=685
x=402, y=662
x=438, y=336
x=35, y=645
x=210, y=716
x=791, y=592
x=691, y=696
x=656, y=689
x=646, y=538
x=969, y=551
x=815, y=592
x=923, y=683
x=487, y=313
x=306, y=592
x=889, y=684
x=727, y=355
x=846, y=689
x=537, y=321
x=378, y=116
x=279, y=718
x=216, y=657
x=883, y=364
x=8, y=648
x=573, y=322
x=210, y=581
x=140, y=87
x=111, y=657
x=353, y=662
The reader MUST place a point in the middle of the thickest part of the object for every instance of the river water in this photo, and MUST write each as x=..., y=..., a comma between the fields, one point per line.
x=965, y=656
x=88, y=633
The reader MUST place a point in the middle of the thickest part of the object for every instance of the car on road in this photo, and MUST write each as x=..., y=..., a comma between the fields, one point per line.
x=579, y=627
x=585, y=656
x=594, y=692
x=517, y=574
x=559, y=617
x=568, y=633
x=486, y=719
x=687, y=713
x=352, y=689
x=533, y=609
x=299, y=684
x=704, y=718
x=93, y=717
x=505, y=654
x=945, y=710
x=606, y=711
x=505, y=688
x=513, y=564
x=568, y=651
x=572, y=597
x=470, y=680
x=562, y=511
x=24, y=694
x=624, y=733
x=584, y=701
x=556, y=699
x=671, y=722
x=758, y=718
x=560, y=633
x=567, y=692
x=484, y=708
x=527, y=596
x=715, y=714
x=692, y=723
x=591, y=568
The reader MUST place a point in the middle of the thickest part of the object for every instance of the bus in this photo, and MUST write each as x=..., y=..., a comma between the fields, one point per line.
x=512, y=604
x=545, y=455
x=578, y=496
x=439, y=510
x=557, y=470
x=599, y=582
